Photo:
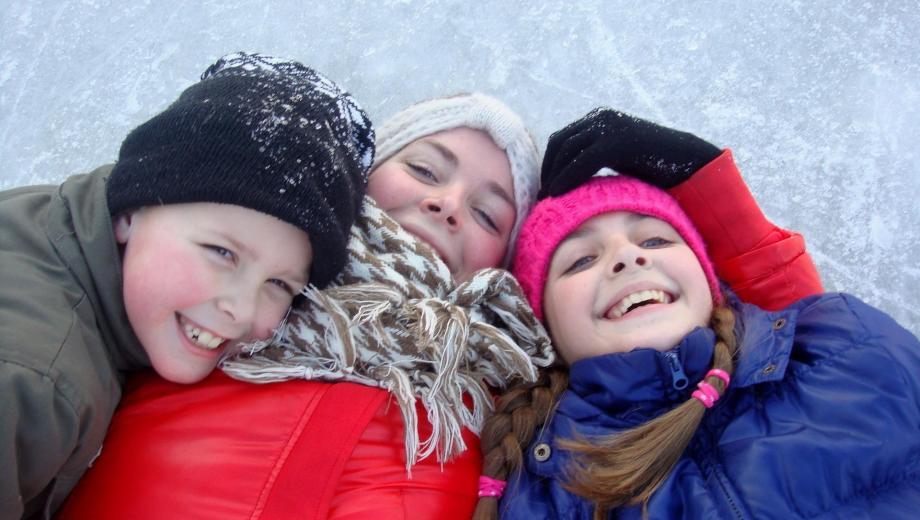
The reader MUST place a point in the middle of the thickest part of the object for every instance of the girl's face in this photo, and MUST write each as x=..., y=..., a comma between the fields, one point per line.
x=453, y=190
x=623, y=281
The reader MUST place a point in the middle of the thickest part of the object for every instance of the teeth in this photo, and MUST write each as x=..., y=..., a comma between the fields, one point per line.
x=203, y=338
x=629, y=300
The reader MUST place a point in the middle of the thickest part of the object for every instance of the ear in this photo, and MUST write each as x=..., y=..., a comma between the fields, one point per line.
x=122, y=226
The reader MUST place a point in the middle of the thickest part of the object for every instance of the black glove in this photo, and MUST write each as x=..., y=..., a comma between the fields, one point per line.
x=628, y=145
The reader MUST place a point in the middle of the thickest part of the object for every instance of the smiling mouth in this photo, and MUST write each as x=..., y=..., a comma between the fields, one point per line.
x=201, y=338
x=636, y=300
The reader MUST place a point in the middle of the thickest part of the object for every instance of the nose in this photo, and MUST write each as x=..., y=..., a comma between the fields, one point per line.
x=629, y=257
x=441, y=207
x=239, y=304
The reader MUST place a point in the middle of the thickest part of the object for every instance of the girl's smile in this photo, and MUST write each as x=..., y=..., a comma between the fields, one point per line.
x=632, y=298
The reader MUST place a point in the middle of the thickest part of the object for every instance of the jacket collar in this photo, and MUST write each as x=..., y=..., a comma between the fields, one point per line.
x=631, y=388
x=80, y=229
x=766, y=344
x=634, y=386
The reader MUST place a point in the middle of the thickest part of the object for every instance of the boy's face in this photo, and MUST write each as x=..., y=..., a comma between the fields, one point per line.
x=201, y=277
x=623, y=281
x=453, y=190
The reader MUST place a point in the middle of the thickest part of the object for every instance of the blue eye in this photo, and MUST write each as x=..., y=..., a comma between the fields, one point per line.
x=422, y=171
x=220, y=251
x=283, y=285
x=579, y=264
x=655, y=242
x=490, y=223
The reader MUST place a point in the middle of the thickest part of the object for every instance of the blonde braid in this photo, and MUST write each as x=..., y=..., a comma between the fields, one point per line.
x=519, y=413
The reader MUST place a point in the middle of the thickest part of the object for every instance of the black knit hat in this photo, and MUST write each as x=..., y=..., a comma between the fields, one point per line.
x=266, y=134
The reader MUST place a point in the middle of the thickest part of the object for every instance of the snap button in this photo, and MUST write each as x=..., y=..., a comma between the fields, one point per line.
x=769, y=369
x=780, y=323
x=541, y=452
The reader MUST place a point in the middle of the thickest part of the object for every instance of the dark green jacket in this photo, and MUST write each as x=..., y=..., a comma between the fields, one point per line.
x=65, y=340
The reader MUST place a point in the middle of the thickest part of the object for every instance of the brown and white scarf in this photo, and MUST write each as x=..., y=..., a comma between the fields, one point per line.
x=395, y=319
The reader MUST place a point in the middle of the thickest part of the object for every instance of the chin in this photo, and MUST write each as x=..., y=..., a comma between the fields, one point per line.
x=659, y=342
x=186, y=379
x=182, y=377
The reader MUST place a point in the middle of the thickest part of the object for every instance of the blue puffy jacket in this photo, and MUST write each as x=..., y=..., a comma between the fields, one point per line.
x=822, y=420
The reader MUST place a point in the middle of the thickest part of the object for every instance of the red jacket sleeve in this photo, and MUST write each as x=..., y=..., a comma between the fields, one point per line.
x=762, y=263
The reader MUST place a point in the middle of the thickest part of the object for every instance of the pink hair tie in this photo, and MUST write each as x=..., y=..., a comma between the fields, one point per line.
x=721, y=374
x=490, y=487
x=707, y=394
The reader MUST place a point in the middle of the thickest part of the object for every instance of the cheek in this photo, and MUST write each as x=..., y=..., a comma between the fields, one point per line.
x=696, y=287
x=388, y=187
x=566, y=313
x=703, y=308
x=270, y=315
x=482, y=250
x=164, y=278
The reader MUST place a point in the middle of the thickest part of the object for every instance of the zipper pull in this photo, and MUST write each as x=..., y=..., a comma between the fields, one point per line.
x=678, y=378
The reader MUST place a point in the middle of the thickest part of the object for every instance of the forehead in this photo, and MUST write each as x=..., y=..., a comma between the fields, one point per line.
x=472, y=152
x=250, y=227
x=209, y=212
x=609, y=222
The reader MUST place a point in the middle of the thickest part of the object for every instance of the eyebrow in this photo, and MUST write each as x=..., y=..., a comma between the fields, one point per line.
x=583, y=231
x=299, y=277
x=578, y=233
x=239, y=246
x=444, y=151
x=495, y=188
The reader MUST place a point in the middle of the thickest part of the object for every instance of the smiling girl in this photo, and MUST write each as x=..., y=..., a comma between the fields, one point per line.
x=678, y=401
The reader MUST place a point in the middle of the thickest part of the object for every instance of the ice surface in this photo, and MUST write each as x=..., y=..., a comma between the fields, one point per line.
x=820, y=100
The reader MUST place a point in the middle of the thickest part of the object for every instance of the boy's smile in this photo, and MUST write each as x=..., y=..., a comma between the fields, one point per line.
x=200, y=336
x=199, y=278
x=623, y=281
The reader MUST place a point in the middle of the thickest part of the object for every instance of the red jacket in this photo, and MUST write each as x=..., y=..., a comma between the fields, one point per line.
x=224, y=449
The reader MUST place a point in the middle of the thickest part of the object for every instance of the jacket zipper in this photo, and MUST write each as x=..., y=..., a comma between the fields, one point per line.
x=678, y=378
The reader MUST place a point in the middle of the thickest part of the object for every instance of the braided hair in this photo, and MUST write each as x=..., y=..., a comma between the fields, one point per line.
x=518, y=413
